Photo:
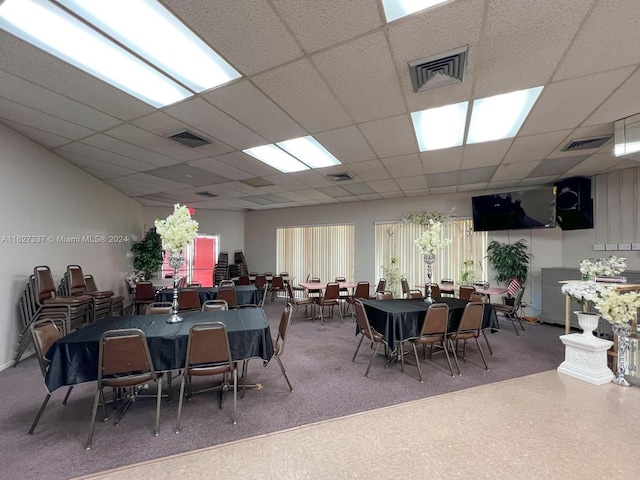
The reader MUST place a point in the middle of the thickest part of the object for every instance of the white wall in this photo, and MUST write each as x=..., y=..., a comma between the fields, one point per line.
x=42, y=194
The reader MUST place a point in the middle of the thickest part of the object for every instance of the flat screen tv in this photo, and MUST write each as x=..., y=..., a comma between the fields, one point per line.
x=516, y=210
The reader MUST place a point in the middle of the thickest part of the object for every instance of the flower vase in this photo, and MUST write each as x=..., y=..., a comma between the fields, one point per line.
x=429, y=259
x=623, y=332
x=176, y=260
x=588, y=322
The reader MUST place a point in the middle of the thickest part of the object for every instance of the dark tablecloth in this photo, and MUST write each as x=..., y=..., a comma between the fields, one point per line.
x=245, y=294
x=74, y=358
x=401, y=319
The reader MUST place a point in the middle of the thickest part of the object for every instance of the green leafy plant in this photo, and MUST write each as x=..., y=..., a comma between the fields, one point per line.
x=509, y=260
x=148, y=254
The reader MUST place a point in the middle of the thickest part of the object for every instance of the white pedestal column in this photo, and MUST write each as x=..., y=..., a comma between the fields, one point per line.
x=586, y=358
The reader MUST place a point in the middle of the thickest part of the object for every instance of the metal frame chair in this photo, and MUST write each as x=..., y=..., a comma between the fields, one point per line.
x=366, y=330
x=228, y=293
x=189, y=300
x=511, y=311
x=215, y=305
x=159, y=308
x=470, y=327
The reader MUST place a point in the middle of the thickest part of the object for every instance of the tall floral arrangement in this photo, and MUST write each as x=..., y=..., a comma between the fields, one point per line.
x=604, y=267
x=392, y=274
x=431, y=239
x=618, y=308
x=178, y=230
x=585, y=293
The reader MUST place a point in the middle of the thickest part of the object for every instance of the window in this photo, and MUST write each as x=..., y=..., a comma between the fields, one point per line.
x=200, y=260
x=324, y=251
x=398, y=240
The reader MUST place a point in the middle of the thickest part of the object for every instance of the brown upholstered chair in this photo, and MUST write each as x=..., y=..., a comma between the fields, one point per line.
x=189, y=300
x=366, y=330
x=314, y=293
x=434, y=331
x=45, y=332
x=511, y=311
x=74, y=278
x=331, y=299
x=117, y=301
x=213, y=305
x=478, y=297
x=382, y=285
x=123, y=362
x=260, y=282
x=227, y=283
x=208, y=354
x=298, y=302
x=361, y=291
x=470, y=327
x=465, y=292
x=435, y=290
x=277, y=286
x=384, y=295
x=405, y=287
x=228, y=294
x=414, y=293
x=244, y=280
x=159, y=308
x=143, y=295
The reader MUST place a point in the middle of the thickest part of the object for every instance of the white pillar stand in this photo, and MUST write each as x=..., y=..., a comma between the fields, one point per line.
x=586, y=358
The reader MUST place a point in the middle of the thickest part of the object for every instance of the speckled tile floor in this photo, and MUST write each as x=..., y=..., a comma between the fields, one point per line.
x=543, y=426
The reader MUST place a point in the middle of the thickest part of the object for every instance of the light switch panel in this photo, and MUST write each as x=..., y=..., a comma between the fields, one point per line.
x=635, y=246
x=598, y=246
x=624, y=246
x=611, y=246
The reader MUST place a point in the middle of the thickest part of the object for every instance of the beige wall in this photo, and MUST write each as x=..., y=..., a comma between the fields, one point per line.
x=43, y=194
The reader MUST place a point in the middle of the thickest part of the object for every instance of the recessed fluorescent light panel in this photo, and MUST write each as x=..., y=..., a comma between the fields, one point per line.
x=309, y=151
x=276, y=158
x=294, y=155
x=395, y=9
x=51, y=28
x=441, y=127
x=501, y=116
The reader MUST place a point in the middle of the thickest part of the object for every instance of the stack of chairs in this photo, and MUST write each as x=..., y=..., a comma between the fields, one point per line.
x=220, y=272
x=73, y=284
x=117, y=301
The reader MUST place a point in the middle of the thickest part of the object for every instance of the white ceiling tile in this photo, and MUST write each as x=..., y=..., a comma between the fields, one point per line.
x=595, y=164
x=141, y=188
x=371, y=170
x=27, y=116
x=513, y=171
x=244, y=102
x=208, y=119
x=581, y=134
x=390, y=137
x=221, y=168
x=623, y=103
x=412, y=183
x=247, y=163
x=404, y=165
x=100, y=174
x=128, y=150
x=312, y=178
x=319, y=25
x=440, y=190
x=346, y=144
x=484, y=154
x=104, y=156
x=45, y=139
x=347, y=68
x=472, y=187
x=156, y=143
x=582, y=94
x=248, y=34
x=162, y=182
x=294, y=196
x=372, y=196
x=538, y=181
x=286, y=181
x=602, y=42
x=96, y=164
x=397, y=194
x=535, y=147
x=300, y=92
x=314, y=194
x=444, y=160
x=384, y=186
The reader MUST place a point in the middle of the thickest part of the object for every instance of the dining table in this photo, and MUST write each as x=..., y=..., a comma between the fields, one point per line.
x=401, y=319
x=74, y=357
x=245, y=294
x=452, y=289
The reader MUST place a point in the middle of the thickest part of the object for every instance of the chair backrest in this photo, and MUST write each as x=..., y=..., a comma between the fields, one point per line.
x=260, y=282
x=228, y=294
x=285, y=320
x=465, y=292
x=284, y=274
x=362, y=319
x=263, y=295
x=518, y=297
x=478, y=297
x=182, y=282
x=75, y=277
x=414, y=294
x=471, y=317
x=481, y=283
x=362, y=290
x=217, y=304
x=227, y=283
x=314, y=280
x=268, y=274
x=384, y=295
x=45, y=287
x=277, y=282
x=189, y=299
x=435, y=290
x=124, y=352
x=405, y=286
x=208, y=346
x=382, y=284
x=436, y=320
x=332, y=292
x=159, y=308
x=194, y=284
x=341, y=279
x=244, y=280
x=447, y=280
x=90, y=282
x=45, y=332
x=144, y=292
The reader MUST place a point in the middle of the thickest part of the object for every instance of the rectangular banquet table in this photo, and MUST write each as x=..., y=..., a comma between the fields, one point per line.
x=401, y=319
x=245, y=294
x=74, y=358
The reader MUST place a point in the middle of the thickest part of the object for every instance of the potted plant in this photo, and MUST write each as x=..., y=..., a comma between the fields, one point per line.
x=509, y=260
x=149, y=254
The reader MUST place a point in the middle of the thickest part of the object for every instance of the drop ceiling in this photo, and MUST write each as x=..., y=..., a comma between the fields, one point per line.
x=336, y=70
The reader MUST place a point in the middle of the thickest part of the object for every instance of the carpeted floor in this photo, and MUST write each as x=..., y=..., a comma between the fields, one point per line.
x=326, y=385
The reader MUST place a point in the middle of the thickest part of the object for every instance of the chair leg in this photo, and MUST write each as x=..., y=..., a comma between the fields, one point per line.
x=486, y=367
x=182, y=383
x=514, y=325
x=66, y=397
x=446, y=353
x=39, y=414
x=157, y=430
x=415, y=353
x=94, y=411
x=245, y=369
x=235, y=393
x=455, y=355
x=371, y=358
x=284, y=373
x=486, y=339
x=357, y=348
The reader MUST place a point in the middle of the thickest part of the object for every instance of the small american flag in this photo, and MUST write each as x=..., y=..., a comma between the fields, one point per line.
x=513, y=287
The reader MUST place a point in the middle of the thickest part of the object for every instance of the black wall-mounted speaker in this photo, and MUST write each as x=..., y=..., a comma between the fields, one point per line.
x=573, y=194
x=576, y=219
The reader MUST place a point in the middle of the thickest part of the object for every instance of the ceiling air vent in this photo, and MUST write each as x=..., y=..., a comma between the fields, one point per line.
x=340, y=177
x=439, y=70
x=257, y=182
x=586, y=144
x=206, y=194
x=189, y=139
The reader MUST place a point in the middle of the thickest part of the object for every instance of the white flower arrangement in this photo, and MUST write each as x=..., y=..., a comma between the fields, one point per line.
x=604, y=267
x=424, y=218
x=618, y=308
x=178, y=230
x=585, y=293
x=431, y=240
